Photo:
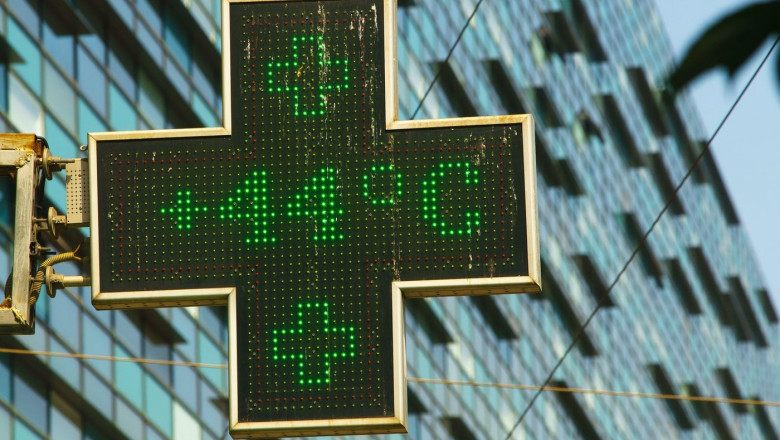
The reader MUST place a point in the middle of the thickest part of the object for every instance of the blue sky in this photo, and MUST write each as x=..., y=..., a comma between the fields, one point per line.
x=746, y=149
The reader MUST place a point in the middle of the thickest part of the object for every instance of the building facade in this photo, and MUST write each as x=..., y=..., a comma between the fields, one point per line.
x=691, y=316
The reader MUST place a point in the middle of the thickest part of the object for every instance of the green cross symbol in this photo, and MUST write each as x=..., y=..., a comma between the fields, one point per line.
x=304, y=74
x=182, y=210
x=312, y=343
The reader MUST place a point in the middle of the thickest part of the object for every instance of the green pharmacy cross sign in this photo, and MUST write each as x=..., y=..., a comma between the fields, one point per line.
x=313, y=214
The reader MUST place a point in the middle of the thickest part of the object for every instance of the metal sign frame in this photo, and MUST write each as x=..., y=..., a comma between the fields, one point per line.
x=400, y=289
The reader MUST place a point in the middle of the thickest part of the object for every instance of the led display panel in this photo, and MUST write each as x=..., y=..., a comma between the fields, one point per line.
x=311, y=204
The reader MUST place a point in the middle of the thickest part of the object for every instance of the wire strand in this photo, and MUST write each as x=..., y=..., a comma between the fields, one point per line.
x=422, y=381
x=672, y=198
x=112, y=358
x=447, y=59
x=557, y=389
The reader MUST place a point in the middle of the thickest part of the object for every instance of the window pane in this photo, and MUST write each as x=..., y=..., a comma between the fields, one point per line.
x=122, y=115
x=30, y=398
x=177, y=40
x=88, y=121
x=128, y=377
x=209, y=354
x=128, y=332
x=65, y=322
x=121, y=67
x=128, y=421
x=24, y=111
x=30, y=70
x=98, y=394
x=65, y=420
x=59, y=96
x=186, y=327
x=92, y=80
x=185, y=383
x=60, y=141
x=23, y=432
x=67, y=368
x=61, y=48
x=158, y=405
x=204, y=113
x=98, y=342
x=185, y=426
x=151, y=101
x=5, y=423
x=26, y=11
x=5, y=377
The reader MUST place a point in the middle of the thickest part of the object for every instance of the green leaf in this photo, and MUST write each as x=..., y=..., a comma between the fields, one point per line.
x=729, y=43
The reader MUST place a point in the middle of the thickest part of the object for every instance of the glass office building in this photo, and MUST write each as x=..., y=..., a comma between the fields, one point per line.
x=691, y=316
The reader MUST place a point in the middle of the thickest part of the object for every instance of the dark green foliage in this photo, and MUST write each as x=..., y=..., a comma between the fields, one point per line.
x=729, y=43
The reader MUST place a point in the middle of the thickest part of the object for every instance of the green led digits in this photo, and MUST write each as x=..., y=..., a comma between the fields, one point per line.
x=302, y=75
x=312, y=343
x=383, y=199
x=182, y=210
x=251, y=203
x=432, y=198
x=318, y=200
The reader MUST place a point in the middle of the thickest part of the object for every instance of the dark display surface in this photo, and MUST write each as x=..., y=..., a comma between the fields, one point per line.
x=311, y=209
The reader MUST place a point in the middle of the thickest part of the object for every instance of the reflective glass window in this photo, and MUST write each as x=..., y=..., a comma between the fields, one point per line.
x=151, y=11
x=88, y=121
x=121, y=67
x=209, y=353
x=127, y=331
x=68, y=369
x=209, y=413
x=177, y=40
x=98, y=394
x=97, y=341
x=65, y=420
x=151, y=101
x=30, y=69
x=94, y=40
x=3, y=85
x=59, y=140
x=66, y=322
x=205, y=114
x=59, y=96
x=5, y=423
x=123, y=9
x=24, y=432
x=128, y=378
x=30, y=397
x=61, y=48
x=92, y=433
x=27, y=12
x=185, y=426
x=158, y=405
x=186, y=327
x=24, y=111
x=151, y=44
x=128, y=421
x=185, y=382
x=122, y=115
x=5, y=377
x=92, y=80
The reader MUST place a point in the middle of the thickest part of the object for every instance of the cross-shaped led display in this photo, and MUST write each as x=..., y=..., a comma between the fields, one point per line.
x=312, y=213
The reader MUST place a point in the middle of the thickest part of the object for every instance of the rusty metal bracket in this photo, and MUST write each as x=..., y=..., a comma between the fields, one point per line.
x=18, y=159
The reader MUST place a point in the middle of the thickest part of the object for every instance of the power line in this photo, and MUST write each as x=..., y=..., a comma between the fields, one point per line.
x=557, y=389
x=447, y=59
x=112, y=358
x=422, y=381
x=642, y=242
